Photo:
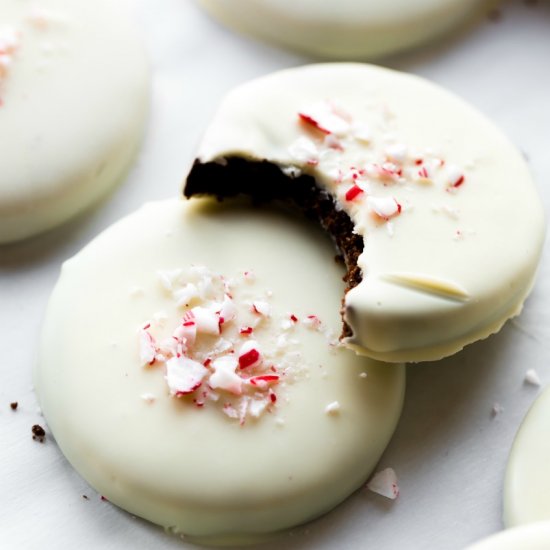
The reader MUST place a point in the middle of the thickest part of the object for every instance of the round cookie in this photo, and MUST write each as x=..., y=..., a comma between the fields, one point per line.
x=219, y=408
x=432, y=207
x=74, y=91
x=349, y=29
x=529, y=537
x=527, y=481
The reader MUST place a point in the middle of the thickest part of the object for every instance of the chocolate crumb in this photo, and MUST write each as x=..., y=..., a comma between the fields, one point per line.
x=14, y=405
x=38, y=433
x=85, y=497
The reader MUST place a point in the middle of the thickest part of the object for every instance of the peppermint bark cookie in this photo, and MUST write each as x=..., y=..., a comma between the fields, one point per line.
x=528, y=537
x=527, y=482
x=74, y=88
x=198, y=383
x=434, y=211
x=350, y=29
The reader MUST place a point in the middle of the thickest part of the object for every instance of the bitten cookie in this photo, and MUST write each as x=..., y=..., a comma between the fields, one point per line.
x=433, y=209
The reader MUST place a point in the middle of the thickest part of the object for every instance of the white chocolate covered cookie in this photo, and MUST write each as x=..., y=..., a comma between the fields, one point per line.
x=189, y=370
x=529, y=537
x=433, y=208
x=74, y=88
x=527, y=482
x=350, y=29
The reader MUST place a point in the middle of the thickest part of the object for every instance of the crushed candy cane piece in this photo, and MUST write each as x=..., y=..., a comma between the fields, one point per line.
x=207, y=321
x=225, y=367
x=312, y=321
x=261, y=308
x=228, y=310
x=184, y=375
x=304, y=150
x=384, y=483
x=333, y=408
x=147, y=347
x=353, y=192
x=225, y=377
x=249, y=355
x=148, y=397
x=455, y=177
x=532, y=378
x=384, y=207
x=324, y=117
x=263, y=381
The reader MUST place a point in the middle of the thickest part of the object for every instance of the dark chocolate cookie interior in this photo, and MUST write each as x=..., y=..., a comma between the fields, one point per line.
x=266, y=182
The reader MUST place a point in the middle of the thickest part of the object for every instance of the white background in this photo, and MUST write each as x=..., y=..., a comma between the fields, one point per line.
x=449, y=453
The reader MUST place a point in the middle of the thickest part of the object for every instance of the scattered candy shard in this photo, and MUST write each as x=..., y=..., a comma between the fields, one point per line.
x=384, y=483
x=532, y=378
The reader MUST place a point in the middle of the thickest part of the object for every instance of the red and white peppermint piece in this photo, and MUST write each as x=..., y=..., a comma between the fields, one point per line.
x=303, y=150
x=384, y=207
x=249, y=355
x=261, y=308
x=147, y=347
x=384, y=483
x=183, y=375
x=425, y=173
x=228, y=310
x=353, y=192
x=325, y=117
x=188, y=333
x=207, y=321
x=257, y=406
x=264, y=381
x=224, y=376
x=455, y=176
x=312, y=322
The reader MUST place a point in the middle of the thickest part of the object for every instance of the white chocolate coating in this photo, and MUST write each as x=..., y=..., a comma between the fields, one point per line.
x=527, y=482
x=193, y=470
x=529, y=537
x=447, y=259
x=351, y=29
x=73, y=102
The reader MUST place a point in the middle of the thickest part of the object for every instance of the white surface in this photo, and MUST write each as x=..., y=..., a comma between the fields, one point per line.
x=448, y=452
